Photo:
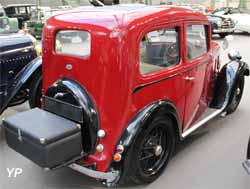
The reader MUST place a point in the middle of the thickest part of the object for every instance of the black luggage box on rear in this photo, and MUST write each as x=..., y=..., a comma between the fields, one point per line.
x=43, y=137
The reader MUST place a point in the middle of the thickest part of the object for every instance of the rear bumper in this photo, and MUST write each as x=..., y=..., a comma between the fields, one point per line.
x=246, y=166
x=223, y=30
x=107, y=176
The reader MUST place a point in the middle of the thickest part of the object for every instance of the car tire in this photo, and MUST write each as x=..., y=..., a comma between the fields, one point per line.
x=236, y=95
x=156, y=143
x=35, y=92
x=223, y=35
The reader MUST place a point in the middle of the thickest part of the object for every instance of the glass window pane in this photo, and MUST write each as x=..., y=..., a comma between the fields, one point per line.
x=22, y=10
x=159, y=50
x=196, y=41
x=73, y=42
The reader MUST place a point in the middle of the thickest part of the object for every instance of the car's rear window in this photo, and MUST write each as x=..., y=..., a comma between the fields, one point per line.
x=73, y=42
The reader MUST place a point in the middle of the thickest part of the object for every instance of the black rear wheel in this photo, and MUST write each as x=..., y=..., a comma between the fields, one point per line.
x=150, y=153
x=35, y=93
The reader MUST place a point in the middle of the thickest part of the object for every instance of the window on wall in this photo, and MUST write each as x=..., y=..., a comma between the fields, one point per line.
x=159, y=50
x=196, y=36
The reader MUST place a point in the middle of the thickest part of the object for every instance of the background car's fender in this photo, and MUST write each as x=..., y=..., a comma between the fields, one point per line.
x=21, y=79
x=225, y=82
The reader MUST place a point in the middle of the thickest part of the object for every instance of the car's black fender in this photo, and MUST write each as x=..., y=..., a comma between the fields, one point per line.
x=20, y=80
x=140, y=120
x=225, y=82
x=135, y=126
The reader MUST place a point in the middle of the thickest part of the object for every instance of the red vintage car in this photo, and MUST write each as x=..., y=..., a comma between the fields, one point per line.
x=116, y=101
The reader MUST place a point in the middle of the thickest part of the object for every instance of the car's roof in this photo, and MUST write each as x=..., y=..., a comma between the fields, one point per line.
x=115, y=16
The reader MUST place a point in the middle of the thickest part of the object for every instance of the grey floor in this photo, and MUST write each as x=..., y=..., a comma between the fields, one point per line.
x=209, y=159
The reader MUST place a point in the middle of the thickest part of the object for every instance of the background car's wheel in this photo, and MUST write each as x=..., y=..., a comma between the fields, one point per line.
x=35, y=93
x=236, y=95
x=149, y=155
x=223, y=35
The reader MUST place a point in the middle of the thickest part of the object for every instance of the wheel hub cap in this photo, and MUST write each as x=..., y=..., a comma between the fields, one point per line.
x=238, y=91
x=158, y=150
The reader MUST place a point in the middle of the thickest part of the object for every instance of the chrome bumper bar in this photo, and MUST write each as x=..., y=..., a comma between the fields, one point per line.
x=223, y=30
x=108, y=176
x=246, y=166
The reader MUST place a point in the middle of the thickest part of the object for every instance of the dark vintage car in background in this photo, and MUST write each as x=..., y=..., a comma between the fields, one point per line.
x=20, y=68
x=20, y=11
x=220, y=25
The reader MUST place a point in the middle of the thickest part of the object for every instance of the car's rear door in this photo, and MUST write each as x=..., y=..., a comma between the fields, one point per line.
x=160, y=67
x=197, y=62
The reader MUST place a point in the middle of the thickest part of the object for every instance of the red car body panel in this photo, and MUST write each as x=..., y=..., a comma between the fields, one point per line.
x=112, y=76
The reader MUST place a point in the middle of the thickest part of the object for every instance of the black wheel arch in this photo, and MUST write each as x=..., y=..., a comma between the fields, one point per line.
x=243, y=70
x=140, y=120
x=225, y=82
x=148, y=112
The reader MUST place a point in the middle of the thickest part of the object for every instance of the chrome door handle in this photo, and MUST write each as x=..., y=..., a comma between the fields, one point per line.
x=189, y=78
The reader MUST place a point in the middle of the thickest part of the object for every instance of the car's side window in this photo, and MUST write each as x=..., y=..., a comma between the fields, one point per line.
x=159, y=50
x=196, y=39
x=22, y=10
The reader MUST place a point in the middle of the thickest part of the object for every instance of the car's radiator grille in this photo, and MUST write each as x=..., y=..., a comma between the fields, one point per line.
x=19, y=59
x=12, y=63
x=18, y=55
x=227, y=23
